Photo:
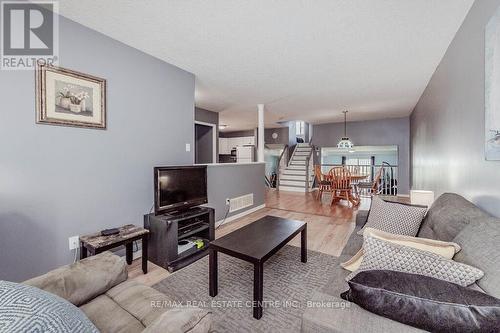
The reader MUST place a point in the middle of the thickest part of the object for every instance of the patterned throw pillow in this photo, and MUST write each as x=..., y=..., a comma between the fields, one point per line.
x=396, y=218
x=444, y=249
x=28, y=309
x=381, y=255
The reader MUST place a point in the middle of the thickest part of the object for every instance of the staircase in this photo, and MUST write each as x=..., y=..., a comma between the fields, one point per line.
x=294, y=176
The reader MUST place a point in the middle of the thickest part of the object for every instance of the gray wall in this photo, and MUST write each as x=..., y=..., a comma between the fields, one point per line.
x=282, y=135
x=234, y=180
x=204, y=144
x=57, y=182
x=394, y=131
x=447, y=124
x=210, y=117
x=237, y=134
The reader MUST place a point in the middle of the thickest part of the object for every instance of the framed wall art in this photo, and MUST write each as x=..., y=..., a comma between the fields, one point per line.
x=68, y=98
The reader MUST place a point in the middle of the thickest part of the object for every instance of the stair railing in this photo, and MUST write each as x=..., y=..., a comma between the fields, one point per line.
x=308, y=169
x=282, y=163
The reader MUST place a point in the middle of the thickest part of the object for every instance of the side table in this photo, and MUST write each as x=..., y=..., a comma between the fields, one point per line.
x=96, y=243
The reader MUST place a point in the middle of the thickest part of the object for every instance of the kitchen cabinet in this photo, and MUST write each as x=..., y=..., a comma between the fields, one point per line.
x=227, y=144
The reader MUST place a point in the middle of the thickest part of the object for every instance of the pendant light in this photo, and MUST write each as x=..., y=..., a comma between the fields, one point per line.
x=345, y=143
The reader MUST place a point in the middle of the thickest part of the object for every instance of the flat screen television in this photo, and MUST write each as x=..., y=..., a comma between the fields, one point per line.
x=178, y=188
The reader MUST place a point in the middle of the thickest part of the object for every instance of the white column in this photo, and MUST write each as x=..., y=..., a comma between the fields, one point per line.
x=260, y=139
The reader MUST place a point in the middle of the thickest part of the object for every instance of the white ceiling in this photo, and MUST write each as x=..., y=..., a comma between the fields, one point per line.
x=306, y=60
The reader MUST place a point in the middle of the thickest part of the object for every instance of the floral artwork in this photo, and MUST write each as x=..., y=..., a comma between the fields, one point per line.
x=69, y=98
x=73, y=99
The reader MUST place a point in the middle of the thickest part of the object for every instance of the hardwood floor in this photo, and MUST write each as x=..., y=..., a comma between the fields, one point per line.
x=329, y=227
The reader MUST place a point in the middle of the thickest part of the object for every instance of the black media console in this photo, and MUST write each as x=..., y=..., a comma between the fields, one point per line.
x=166, y=230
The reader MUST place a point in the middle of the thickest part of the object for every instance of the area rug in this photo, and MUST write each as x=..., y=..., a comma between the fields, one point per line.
x=288, y=285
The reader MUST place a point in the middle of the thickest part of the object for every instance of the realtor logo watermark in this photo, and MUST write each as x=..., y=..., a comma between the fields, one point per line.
x=29, y=33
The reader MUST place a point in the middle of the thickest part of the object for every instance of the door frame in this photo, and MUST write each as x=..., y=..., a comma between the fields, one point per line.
x=214, y=138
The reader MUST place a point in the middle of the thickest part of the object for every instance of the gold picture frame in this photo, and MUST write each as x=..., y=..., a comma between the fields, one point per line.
x=69, y=98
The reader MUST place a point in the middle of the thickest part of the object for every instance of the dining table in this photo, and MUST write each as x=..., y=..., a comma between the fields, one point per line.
x=357, y=177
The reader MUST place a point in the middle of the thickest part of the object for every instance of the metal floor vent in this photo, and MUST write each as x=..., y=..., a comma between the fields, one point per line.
x=238, y=203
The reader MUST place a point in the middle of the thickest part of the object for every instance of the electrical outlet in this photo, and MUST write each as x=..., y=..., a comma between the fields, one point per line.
x=188, y=147
x=74, y=242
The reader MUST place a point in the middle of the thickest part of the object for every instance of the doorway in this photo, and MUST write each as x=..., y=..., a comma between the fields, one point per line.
x=205, y=147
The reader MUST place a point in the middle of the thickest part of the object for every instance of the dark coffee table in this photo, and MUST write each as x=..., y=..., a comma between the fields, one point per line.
x=256, y=243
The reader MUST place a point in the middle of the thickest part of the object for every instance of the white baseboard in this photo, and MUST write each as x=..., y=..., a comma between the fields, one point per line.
x=240, y=215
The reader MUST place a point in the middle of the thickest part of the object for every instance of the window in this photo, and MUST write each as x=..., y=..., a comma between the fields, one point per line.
x=299, y=128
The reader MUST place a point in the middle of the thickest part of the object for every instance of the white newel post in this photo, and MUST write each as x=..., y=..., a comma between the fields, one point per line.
x=260, y=139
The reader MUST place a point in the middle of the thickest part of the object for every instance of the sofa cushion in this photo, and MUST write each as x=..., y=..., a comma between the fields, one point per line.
x=449, y=214
x=354, y=243
x=143, y=302
x=85, y=279
x=381, y=255
x=394, y=217
x=327, y=313
x=445, y=249
x=181, y=320
x=28, y=309
x=337, y=283
x=424, y=302
x=361, y=218
x=109, y=317
x=481, y=247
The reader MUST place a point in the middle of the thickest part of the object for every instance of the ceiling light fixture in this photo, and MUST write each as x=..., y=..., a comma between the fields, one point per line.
x=345, y=143
x=222, y=126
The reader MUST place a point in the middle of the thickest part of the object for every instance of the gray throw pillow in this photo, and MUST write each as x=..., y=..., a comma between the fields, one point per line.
x=393, y=217
x=28, y=309
x=381, y=255
x=424, y=302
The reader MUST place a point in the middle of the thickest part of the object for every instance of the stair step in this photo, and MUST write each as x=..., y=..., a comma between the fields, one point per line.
x=298, y=162
x=293, y=183
x=295, y=189
x=297, y=167
x=293, y=172
x=301, y=153
x=292, y=189
x=303, y=145
x=299, y=158
x=293, y=177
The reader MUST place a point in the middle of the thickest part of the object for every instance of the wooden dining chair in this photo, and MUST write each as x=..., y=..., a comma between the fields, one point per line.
x=341, y=183
x=322, y=181
x=372, y=188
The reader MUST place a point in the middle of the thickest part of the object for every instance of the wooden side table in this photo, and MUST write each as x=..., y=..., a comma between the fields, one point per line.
x=96, y=243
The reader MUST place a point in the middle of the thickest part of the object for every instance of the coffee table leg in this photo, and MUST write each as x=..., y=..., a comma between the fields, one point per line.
x=303, y=244
x=212, y=264
x=258, y=287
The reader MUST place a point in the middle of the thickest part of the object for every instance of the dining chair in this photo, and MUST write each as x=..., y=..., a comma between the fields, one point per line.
x=341, y=183
x=372, y=188
x=321, y=180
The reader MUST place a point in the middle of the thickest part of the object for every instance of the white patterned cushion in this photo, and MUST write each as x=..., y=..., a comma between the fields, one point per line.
x=395, y=218
x=28, y=309
x=381, y=255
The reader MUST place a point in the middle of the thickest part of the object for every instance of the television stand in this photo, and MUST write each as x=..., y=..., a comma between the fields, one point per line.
x=166, y=230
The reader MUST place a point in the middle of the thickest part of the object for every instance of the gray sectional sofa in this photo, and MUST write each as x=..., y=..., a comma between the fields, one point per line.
x=98, y=285
x=451, y=218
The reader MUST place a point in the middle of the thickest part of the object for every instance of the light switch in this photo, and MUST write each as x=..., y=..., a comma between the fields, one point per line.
x=188, y=147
